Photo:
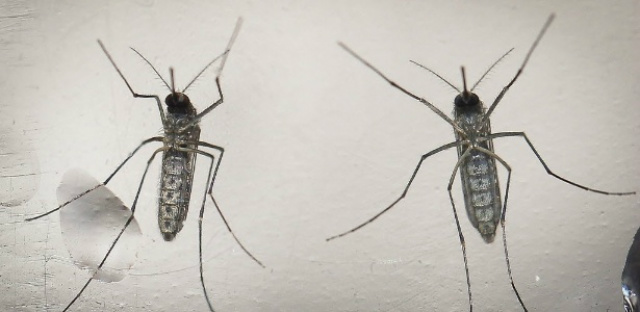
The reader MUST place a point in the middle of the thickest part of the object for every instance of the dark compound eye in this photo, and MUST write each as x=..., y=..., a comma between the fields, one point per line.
x=466, y=100
x=177, y=99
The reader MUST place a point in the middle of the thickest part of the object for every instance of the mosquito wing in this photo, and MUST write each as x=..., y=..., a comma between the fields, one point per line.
x=91, y=223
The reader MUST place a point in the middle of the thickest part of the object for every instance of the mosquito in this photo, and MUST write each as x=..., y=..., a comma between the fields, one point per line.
x=476, y=160
x=180, y=146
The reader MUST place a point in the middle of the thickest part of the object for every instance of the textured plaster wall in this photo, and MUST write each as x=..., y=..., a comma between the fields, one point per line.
x=316, y=143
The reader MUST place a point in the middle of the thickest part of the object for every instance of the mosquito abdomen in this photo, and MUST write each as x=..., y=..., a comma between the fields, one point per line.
x=176, y=177
x=479, y=176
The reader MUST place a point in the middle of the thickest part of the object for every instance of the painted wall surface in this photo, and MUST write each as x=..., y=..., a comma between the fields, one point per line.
x=316, y=143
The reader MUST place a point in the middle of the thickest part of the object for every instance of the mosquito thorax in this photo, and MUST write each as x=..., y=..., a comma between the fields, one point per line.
x=466, y=99
x=178, y=103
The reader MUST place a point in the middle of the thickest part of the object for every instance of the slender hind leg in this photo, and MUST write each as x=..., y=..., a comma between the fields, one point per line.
x=455, y=215
x=210, y=192
x=404, y=193
x=103, y=183
x=551, y=173
x=204, y=198
x=503, y=222
x=115, y=241
x=210, y=178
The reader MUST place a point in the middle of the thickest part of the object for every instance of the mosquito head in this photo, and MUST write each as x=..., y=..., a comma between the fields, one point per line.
x=466, y=98
x=177, y=100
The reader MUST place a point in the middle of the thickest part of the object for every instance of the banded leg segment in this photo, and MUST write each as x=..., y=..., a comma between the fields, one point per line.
x=503, y=221
x=404, y=193
x=204, y=198
x=586, y=188
x=222, y=63
x=135, y=94
x=145, y=142
x=405, y=91
x=455, y=215
x=115, y=241
x=495, y=103
x=209, y=185
x=210, y=193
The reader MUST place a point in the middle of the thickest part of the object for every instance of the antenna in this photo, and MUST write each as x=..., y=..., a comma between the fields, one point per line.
x=520, y=70
x=224, y=55
x=436, y=74
x=490, y=68
x=154, y=69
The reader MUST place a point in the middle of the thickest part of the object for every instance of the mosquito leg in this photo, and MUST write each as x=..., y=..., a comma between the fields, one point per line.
x=485, y=119
x=455, y=215
x=234, y=35
x=503, y=221
x=215, y=171
x=137, y=95
x=209, y=185
x=204, y=198
x=397, y=86
x=404, y=193
x=204, y=289
x=222, y=63
x=156, y=139
x=159, y=139
x=523, y=135
x=210, y=193
x=211, y=107
x=115, y=241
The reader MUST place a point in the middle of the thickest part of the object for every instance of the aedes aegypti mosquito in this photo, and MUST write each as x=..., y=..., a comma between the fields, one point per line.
x=476, y=160
x=180, y=146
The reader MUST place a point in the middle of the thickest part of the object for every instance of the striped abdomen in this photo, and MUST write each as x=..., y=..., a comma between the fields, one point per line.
x=479, y=178
x=176, y=180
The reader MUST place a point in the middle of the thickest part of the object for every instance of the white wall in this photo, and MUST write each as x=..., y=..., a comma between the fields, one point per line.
x=316, y=143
